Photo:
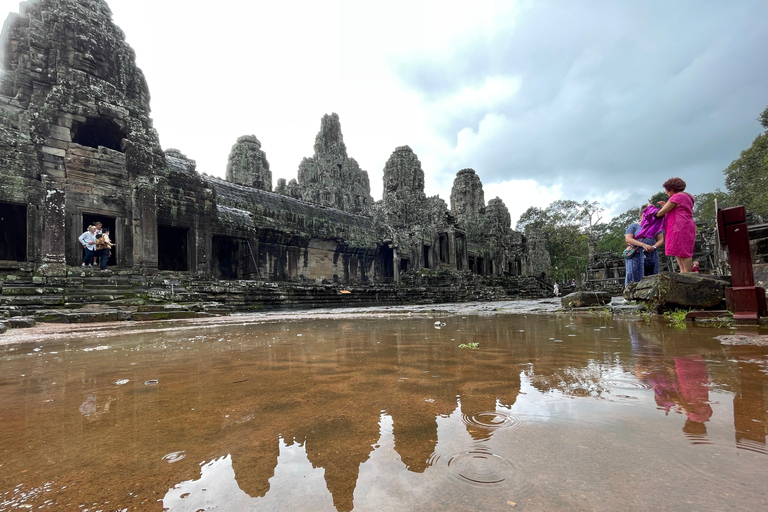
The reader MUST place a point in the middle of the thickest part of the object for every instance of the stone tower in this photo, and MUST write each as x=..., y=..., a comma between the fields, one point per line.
x=330, y=177
x=77, y=132
x=467, y=197
x=403, y=195
x=498, y=218
x=248, y=164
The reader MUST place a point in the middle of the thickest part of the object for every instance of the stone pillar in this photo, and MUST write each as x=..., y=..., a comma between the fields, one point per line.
x=145, y=226
x=53, y=240
x=396, y=265
x=452, y=248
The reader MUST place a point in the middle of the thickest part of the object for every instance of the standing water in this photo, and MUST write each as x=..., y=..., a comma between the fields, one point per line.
x=546, y=413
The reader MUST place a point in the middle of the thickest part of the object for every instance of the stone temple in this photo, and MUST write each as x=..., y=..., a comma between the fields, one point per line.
x=77, y=145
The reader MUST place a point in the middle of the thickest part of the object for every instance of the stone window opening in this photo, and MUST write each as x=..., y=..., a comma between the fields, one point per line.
x=13, y=232
x=426, y=256
x=95, y=132
x=480, y=266
x=172, y=248
x=106, y=223
x=405, y=265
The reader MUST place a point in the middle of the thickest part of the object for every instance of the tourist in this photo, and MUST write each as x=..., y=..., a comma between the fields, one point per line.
x=556, y=290
x=88, y=241
x=695, y=267
x=651, y=228
x=97, y=254
x=642, y=242
x=103, y=248
x=679, y=227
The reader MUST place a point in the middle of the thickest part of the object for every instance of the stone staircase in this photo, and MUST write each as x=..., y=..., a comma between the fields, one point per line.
x=94, y=296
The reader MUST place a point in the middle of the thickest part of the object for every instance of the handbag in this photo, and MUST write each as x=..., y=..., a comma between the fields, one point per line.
x=630, y=251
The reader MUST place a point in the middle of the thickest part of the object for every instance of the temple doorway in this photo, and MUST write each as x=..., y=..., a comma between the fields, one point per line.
x=172, y=248
x=106, y=223
x=13, y=232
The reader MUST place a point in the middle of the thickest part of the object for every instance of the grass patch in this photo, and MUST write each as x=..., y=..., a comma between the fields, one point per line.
x=471, y=346
x=676, y=318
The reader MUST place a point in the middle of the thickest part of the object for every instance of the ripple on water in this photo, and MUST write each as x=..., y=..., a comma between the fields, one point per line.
x=174, y=457
x=152, y=382
x=481, y=468
x=625, y=384
x=492, y=420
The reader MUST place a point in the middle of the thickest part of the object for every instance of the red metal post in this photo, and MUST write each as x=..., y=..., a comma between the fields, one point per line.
x=744, y=299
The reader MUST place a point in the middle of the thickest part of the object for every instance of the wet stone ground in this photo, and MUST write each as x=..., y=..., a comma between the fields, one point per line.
x=548, y=412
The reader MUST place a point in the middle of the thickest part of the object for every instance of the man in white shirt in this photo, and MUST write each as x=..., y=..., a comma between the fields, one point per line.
x=88, y=241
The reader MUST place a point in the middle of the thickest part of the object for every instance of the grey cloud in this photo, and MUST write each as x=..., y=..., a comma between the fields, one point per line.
x=615, y=96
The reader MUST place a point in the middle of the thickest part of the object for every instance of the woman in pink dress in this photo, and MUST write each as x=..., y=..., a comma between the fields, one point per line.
x=679, y=227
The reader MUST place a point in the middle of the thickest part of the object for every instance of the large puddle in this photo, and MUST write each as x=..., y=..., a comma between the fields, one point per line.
x=547, y=413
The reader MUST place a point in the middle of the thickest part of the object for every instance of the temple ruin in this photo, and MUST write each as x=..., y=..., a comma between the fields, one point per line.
x=77, y=145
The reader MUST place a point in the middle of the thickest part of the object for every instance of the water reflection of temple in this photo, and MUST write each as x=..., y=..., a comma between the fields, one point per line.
x=247, y=394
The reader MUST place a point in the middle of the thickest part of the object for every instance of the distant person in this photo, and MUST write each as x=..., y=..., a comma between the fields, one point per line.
x=695, y=267
x=573, y=282
x=556, y=290
x=640, y=247
x=88, y=241
x=679, y=227
x=104, y=248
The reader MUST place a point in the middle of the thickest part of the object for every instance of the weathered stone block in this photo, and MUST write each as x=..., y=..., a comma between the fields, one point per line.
x=140, y=317
x=670, y=290
x=21, y=322
x=3, y=327
x=585, y=299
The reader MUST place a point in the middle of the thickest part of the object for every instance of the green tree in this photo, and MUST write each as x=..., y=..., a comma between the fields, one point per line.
x=747, y=177
x=704, y=212
x=567, y=224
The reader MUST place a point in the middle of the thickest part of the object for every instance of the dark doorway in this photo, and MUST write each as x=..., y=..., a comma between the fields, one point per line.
x=405, y=264
x=426, y=256
x=13, y=232
x=471, y=264
x=444, y=253
x=230, y=257
x=95, y=132
x=172, y=248
x=480, y=266
x=106, y=222
x=386, y=262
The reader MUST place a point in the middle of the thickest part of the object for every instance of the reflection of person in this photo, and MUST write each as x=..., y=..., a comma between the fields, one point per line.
x=695, y=267
x=682, y=384
x=679, y=227
x=88, y=241
x=647, y=237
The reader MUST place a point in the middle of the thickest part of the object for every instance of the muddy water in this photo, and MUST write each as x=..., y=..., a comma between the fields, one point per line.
x=548, y=413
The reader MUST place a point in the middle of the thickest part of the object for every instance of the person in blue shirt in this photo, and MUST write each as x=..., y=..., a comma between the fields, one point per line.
x=645, y=262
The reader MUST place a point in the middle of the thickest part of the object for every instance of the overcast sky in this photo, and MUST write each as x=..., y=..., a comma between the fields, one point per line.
x=546, y=100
